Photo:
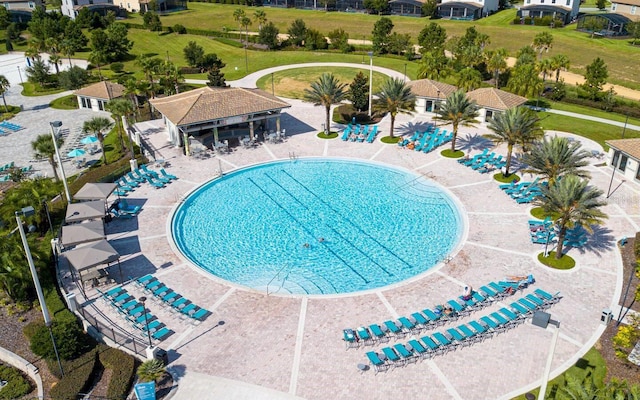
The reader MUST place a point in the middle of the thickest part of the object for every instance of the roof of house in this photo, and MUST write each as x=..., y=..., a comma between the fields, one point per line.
x=629, y=2
x=546, y=7
x=430, y=88
x=102, y=90
x=496, y=99
x=211, y=103
x=628, y=146
x=461, y=4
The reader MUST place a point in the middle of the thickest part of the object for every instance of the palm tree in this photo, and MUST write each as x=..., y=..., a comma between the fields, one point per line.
x=517, y=125
x=326, y=91
x=560, y=62
x=150, y=370
x=497, y=62
x=261, y=18
x=246, y=22
x=577, y=389
x=394, y=97
x=14, y=270
x=542, y=42
x=555, y=157
x=238, y=14
x=545, y=67
x=524, y=80
x=458, y=110
x=121, y=108
x=574, y=202
x=4, y=86
x=434, y=66
x=52, y=45
x=43, y=148
x=98, y=125
x=469, y=79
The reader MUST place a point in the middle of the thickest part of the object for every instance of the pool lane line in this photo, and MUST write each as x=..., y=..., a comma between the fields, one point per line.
x=348, y=220
x=327, y=225
x=307, y=230
x=293, y=385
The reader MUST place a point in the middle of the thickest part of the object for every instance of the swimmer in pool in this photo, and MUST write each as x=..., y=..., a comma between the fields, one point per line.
x=306, y=245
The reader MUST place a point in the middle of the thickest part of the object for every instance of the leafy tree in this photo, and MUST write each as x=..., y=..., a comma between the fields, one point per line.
x=558, y=90
x=4, y=86
x=13, y=31
x=633, y=28
x=209, y=62
x=38, y=72
x=430, y=8
x=98, y=126
x=380, y=35
x=120, y=108
x=524, y=80
x=468, y=50
x=556, y=157
x=73, y=38
x=593, y=24
x=193, y=53
x=526, y=55
x=359, y=92
x=560, y=62
x=73, y=78
x=15, y=276
x=32, y=192
x=432, y=38
x=601, y=4
x=457, y=110
x=469, y=79
x=43, y=148
x=596, y=76
x=517, y=125
x=434, y=66
x=394, y=97
x=113, y=43
x=179, y=29
x=400, y=44
x=8, y=45
x=314, y=40
x=497, y=63
x=326, y=91
x=170, y=78
x=45, y=25
x=339, y=39
x=151, y=370
x=576, y=204
x=260, y=17
x=216, y=78
x=151, y=21
x=376, y=6
x=542, y=42
x=5, y=18
x=297, y=32
x=269, y=35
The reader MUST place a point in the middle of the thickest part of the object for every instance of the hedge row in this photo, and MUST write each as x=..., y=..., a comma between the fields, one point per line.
x=77, y=376
x=17, y=385
x=122, y=366
x=105, y=173
x=199, y=32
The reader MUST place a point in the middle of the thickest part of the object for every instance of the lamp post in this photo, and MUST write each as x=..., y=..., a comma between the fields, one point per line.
x=20, y=75
x=543, y=319
x=55, y=126
x=405, y=73
x=370, y=80
x=437, y=101
x=28, y=211
x=273, y=88
x=146, y=319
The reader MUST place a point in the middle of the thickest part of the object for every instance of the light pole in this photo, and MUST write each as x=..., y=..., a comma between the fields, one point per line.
x=55, y=126
x=405, y=73
x=28, y=211
x=370, y=80
x=273, y=88
x=543, y=319
x=146, y=319
x=20, y=75
x=437, y=106
x=614, y=165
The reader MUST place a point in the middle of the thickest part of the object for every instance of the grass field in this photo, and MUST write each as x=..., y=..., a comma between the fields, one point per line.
x=619, y=55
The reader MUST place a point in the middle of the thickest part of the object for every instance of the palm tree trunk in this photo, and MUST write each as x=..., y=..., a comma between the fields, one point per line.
x=52, y=161
x=496, y=77
x=559, y=249
x=508, y=163
x=393, y=122
x=6, y=109
x=455, y=137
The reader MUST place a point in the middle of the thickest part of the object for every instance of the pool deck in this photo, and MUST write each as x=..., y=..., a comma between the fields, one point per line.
x=279, y=347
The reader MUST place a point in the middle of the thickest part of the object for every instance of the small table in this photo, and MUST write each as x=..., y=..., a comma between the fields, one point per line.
x=362, y=368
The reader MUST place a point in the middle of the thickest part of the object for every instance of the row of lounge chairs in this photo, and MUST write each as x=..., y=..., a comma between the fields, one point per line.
x=484, y=162
x=134, y=312
x=7, y=166
x=523, y=192
x=6, y=125
x=131, y=180
x=541, y=232
x=427, y=141
x=169, y=297
x=463, y=335
x=360, y=133
x=431, y=318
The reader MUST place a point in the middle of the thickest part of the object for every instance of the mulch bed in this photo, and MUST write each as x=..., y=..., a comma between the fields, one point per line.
x=622, y=369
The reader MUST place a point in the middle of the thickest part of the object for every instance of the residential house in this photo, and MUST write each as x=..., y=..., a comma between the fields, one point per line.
x=466, y=9
x=624, y=156
x=70, y=8
x=20, y=10
x=163, y=6
x=565, y=10
x=429, y=94
x=611, y=24
x=96, y=96
x=491, y=101
x=628, y=8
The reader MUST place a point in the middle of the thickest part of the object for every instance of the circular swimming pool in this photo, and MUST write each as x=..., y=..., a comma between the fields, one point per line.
x=317, y=226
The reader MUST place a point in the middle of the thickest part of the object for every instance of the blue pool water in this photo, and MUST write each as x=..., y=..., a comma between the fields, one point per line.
x=317, y=226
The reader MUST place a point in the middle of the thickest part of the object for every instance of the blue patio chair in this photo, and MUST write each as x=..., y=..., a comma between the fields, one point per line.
x=456, y=335
x=167, y=175
x=420, y=319
x=481, y=330
x=346, y=132
x=502, y=322
x=511, y=316
x=442, y=339
x=406, y=354
x=162, y=334
x=536, y=300
x=552, y=299
x=153, y=285
x=493, y=325
x=418, y=348
x=143, y=280
x=372, y=134
x=114, y=292
x=457, y=307
x=199, y=314
x=434, y=318
x=392, y=356
x=364, y=335
x=180, y=303
x=470, y=335
x=393, y=328
x=531, y=306
x=350, y=339
x=378, y=333
x=406, y=324
x=520, y=309
x=377, y=364
x=188, y=309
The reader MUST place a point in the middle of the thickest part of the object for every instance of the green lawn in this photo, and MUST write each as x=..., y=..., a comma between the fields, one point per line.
x=291, y=83
x=593, y=112
x=619, y=55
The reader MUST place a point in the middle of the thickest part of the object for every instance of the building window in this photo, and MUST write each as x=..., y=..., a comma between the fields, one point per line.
x=553, y=1
x=633, y=9
x=488, y=115
x=623, y=163
x=616, y=157
x=86, y=103
x=614, y=6
x=638, y=172
x=568, y=2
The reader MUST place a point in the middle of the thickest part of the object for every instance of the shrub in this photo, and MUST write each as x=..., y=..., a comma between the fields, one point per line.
x=636, y=246
x=70, y=340
x=625, y=339
x=345, y=113
x=117, y=67
x=150, y=370
x=73, y=78
x=179, y=29
x=122, y=366
x=77, y=376
x=105, y=173
x=17, y=385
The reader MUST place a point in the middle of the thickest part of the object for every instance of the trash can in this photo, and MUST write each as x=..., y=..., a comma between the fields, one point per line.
x=606, y=316
x=161, y=354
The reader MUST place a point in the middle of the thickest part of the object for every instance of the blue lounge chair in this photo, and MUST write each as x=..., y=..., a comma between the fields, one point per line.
x=346, y=132
x=114, y=292
x=378, y=333
x=143, y=280
x=180, y=303
x=138, y=312
x=406, y=324
x=418, y=348
x=490, y=292
x=479, y=328
x=433, y=317
x=511, y=316
x=470, y=335
x=536, y=300
x=442, y=339
x=531, y=306
x=161, y=291
x=393, y=328
x=170, y=297
x=420, y=319
x=392, y=356
x=151, y=286
x=167, y=175
x=457, y=307
x=456, y=335
x=407, y=356
x=162, y=334
x=129, y=305
x=490, y=323
x=552, y=299
x=372, y=134
x=364, y=335
x=520, y=309
x=134, y=178
x=350, y=339
x=376, y=362
x=188, y=309
x=502, y=321
x=200, y=314
x=153, y=326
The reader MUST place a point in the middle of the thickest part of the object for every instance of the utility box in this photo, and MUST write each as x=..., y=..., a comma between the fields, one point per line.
x=161, y=354
x=72, y=302
x=606, y=316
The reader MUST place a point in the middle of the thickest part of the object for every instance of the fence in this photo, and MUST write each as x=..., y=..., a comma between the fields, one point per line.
x=121, y=339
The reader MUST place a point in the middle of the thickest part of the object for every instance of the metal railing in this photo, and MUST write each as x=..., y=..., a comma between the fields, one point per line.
x=120, y=338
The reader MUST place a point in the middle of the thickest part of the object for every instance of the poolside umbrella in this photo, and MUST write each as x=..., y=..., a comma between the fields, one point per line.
x=91, y=256
x=89, y=140
x=82, y=233
x=95, y=191
x=76, y=153
x=87, y=210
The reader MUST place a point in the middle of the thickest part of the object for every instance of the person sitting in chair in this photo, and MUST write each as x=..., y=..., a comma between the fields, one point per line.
x=468, y=292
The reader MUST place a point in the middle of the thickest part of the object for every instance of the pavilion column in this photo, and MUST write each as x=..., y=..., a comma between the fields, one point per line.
x=215, y=135
x=251, y=130
x=278, y=123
